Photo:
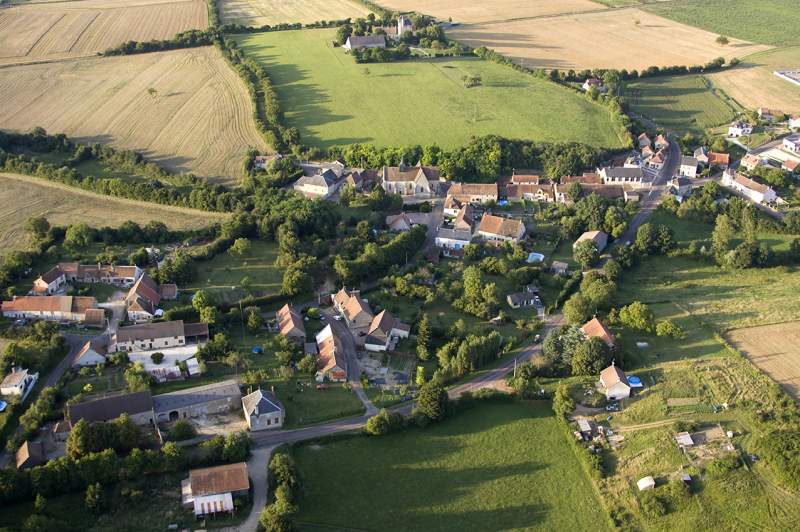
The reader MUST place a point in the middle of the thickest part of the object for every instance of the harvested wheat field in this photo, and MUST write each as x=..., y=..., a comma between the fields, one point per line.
x=471, y=12
x=270, y=12
x=610, y=39
x=46, y=31
x=775, y=350
x=24, y=196
x=753, y=83
x=197, y=118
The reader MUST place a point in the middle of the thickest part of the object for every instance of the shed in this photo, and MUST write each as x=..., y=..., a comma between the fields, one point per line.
x=684, y=439
x=646, y=483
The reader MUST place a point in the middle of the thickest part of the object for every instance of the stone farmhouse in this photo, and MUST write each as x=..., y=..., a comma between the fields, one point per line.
x=30, y=454
x=138, y=406
x=56, y=279
x=718, y=160
x=473, y=192
x=752, y=190
x=216, y=398
x=262, y=411
x=792, y=144
x=290, y=324
x=623, y=176
x=661, y=142
x=161, y=335
x=212, y=490
x=318, y=186
x=92, y=353
x=54, y=308
x=384, y=331
x=332, y=359
x=598, y=238
x=411, y=182
x=688, y=167
x=452, y=241
x=595, y=328
x=144, y=297
x=528, y=297
x=354, y=42
x=496, y=229
x=465, y=219
x=769, y=115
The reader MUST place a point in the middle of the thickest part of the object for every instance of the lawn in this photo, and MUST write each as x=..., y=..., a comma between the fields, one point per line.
x=761, y=21
x=223, y=274
x=495, y=467
x=334, y=101
x=686, y=103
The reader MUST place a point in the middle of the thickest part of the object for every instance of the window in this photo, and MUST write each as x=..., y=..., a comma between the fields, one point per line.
x=269, y=422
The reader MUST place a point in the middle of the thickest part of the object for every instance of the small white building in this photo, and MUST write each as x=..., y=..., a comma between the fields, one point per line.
x=618, y=175
x=452, y=239
x=91, y=354
x=18, y=383
x=598, y=238
x=384, y=332
x=498, y=229
x=794, y=122
x=739, y=129
x=262, y=410
x=594, y=83
x=614, y=383
x=752, y=190
x=318, y=186
x=646, y=483
x=688, y=167
x=355, y=42
x=792, y=143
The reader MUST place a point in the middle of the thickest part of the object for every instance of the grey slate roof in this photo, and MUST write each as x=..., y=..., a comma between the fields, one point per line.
x=195, y=396
x=265, y=402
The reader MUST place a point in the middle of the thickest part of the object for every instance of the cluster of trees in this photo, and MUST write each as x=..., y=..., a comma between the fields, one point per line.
x=593, y=213
x=567, y=351
x=465, y=353
x=120, y=435
x=41, y=410
x=376, y=259
x=234, y=447
x=595, y=292
x=478, y=298
x=284, y=485
x=381, y=55
x=38, y=345
x=611, y=77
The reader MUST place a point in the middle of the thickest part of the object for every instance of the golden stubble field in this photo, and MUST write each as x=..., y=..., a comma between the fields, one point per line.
x=622, y=38
x=262, y=12
x=57, y=30
x=199, y=119
x=753, y=83
x=25, y=196
x=471, y=12
x=775, y=350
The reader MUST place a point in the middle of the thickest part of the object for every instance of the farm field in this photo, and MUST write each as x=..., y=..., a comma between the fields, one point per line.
x=476, y=471
x=774, y=350
x=23, y=197
x=37, y=31
x=679, y=104
x=616, y=41
x=199, y=119
x=471, y=12
x=262, y=12
x=753, y=83
x=334, y=101
x=761, y=21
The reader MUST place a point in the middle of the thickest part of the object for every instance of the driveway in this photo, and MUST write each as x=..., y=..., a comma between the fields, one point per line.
x=353, y=366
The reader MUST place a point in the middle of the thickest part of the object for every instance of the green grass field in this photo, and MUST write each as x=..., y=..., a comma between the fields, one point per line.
x=760, y=21
x=495, y=467
x=680, y=103
x=334, y=101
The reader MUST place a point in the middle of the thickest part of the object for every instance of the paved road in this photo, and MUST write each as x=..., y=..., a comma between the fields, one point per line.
x=353, y=365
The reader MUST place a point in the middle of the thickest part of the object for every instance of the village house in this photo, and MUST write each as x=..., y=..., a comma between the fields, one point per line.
x=18, y=383
x=55, y=280
x=61, y=431
x=790, y=165
x=598, y=238
x=51, y=282
x=701, y=154
x=212, y=490
x=681, y=186
x=30, y=454
x=718, y=160
x=354, y=42
x=647, y=152
x=768, y=115
x=398, y=223
x=355, y=179
x=384, y=331
x=594, y=83
x=688, y=167
x=622, y=176
x=210, y=399
x=530, y=192
x=474, y=192
x=138, y=406
x=160, y=335
x=451, y=207
x=54, y=308
x=529, y=296
x=356, y=311
x=143, y=299
x=497, y=229
x=752, y=190
x=792, y=143
x=750, y=162
x=404, y=25
x=332, y=362
x=657, y=161
x=465, y=219
x=525, y=177
x=410, y=181
x=595, y=328
x=318, y=186
x=290, y=324
x=614, y=383
x=452, y=241
x=262, y=410
x=794, y=122
x=92, y=353
x=587, y=178
x=739, y=129
x=644, y=141
x=661, y=142
x=634, y=160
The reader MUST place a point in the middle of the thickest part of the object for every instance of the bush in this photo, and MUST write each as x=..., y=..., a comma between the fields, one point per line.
x=157, y=357
x=182, y=430
x=723, y=465
x=651, y=504
x=669, y=329
x=384, y=422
